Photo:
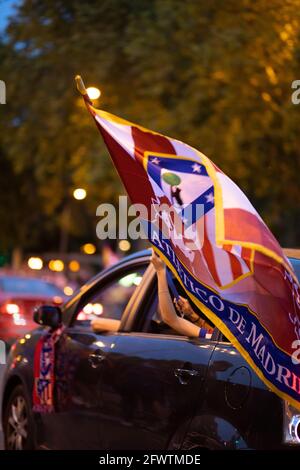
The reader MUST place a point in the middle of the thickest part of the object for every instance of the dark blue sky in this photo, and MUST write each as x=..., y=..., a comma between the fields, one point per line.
x=6, y=9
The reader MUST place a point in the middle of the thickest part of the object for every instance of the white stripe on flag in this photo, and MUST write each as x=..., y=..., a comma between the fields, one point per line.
x=233, y=197
x=121, y=134
x=185, y=150
x=237, y=250
x=220, y=261
x=223, y=266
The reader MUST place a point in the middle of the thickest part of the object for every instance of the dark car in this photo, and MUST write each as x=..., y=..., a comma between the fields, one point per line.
x=18, y=298
x=143, y=387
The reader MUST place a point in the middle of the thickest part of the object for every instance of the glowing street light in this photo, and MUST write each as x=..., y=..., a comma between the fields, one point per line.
x=79, y=194
x=89, y=248
x=124, y=245
x=74, y=266
x=93, y=93
x=56, y=265
x=35, y=263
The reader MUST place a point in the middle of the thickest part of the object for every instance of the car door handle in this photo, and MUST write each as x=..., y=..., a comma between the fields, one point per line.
x=95, y=359
x=184, y=375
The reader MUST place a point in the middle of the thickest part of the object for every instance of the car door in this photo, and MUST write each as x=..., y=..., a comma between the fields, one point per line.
x=152, y=384
x=76, y=423
x=152, y=388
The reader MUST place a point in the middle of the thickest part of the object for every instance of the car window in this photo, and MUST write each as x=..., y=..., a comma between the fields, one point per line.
x=109, y=300
x=153, y=322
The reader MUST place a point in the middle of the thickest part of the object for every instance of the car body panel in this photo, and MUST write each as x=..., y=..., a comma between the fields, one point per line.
x=143, y=397
x=239, y=412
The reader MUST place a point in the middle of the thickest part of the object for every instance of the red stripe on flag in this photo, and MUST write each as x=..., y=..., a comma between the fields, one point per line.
x=235, y=265
x=148, y=142
x=243, y=226
x=209, y=256
x=227, y=247
x=131, y=172
x=246, y=255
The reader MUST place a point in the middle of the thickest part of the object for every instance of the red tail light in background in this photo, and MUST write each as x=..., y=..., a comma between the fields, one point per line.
x=14, y=311
x=11, y=308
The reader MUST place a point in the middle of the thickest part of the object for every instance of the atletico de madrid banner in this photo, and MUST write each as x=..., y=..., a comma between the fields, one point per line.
x=216, y=244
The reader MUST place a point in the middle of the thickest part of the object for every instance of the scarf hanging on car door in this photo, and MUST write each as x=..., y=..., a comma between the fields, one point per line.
x=43, y=370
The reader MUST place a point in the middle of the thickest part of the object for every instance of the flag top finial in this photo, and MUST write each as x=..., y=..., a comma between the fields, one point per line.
x=82, y=90
x=80, y=85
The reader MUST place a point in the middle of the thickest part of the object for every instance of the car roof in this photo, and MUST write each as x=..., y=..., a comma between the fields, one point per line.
x=142, y=255
x=292, y=252
x=139, y=256
x=293, y=255
x=23, y=278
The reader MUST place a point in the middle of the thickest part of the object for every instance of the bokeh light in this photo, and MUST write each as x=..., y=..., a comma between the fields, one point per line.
x=79, y=194
x=124, y=245
x=93, y=92
x=74, y=266
x=89, y=248
x=35, y=263
x=56, y=265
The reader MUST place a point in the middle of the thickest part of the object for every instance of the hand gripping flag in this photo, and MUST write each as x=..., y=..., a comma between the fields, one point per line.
x=216, y=244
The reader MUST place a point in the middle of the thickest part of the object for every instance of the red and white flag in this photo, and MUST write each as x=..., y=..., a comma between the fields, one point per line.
x=216, y=244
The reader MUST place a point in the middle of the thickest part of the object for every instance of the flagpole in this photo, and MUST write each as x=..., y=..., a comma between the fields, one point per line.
x=81, y=88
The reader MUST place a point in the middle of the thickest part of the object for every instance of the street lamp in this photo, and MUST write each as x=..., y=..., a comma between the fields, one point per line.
x=124, y=245
x=79, y=194
x=35, y=263
x=93, y=93
x=89, y=248
x=56, y=265
x=74, y=266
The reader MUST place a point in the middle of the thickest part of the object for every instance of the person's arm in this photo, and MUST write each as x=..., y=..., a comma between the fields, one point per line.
x=105, y=324
x=167, y=309
x=183, y=305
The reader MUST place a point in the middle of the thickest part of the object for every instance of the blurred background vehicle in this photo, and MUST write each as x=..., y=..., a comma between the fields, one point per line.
x=18, y=298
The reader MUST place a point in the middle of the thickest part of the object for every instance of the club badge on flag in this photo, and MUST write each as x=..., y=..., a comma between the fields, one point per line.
x=216, y=244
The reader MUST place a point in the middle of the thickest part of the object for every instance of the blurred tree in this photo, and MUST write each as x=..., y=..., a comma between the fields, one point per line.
x=214, y=74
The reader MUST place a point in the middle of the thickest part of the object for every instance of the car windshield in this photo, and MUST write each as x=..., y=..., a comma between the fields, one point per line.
x=296, y=265
x=29, y=286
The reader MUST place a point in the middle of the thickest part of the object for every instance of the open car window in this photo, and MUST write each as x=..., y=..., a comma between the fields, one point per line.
x=153, y=322
x=108, y=300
